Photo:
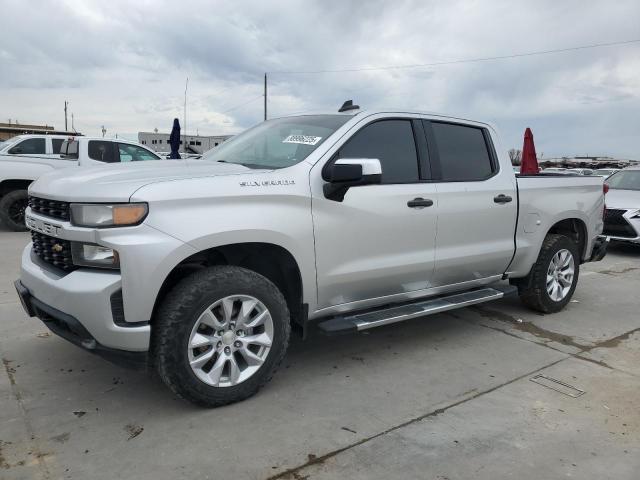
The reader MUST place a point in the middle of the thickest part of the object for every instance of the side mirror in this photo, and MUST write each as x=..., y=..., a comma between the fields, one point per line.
x=16, y=150
x=345, y=173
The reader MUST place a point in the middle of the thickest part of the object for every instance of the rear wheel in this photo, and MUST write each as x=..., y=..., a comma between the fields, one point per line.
x=220, y=335
x=12, y=208
x=554, y=276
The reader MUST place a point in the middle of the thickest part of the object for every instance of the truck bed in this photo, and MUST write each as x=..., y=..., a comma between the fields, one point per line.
x=543, y=200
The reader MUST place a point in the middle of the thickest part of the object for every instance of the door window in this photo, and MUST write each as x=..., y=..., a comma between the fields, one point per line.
x=391, y=142
x=463, y=152
x=133, y=153
x=56, y=143
x=31, y=146
x=101, y=151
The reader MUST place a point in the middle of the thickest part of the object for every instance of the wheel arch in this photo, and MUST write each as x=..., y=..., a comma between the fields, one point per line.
x=576, y=230
x=10, y=185
x=273, y=261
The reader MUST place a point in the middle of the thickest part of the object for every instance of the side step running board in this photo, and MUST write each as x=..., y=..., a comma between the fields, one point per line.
x=399, y=313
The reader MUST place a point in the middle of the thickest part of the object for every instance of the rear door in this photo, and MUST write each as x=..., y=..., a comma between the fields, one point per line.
x=477, y=204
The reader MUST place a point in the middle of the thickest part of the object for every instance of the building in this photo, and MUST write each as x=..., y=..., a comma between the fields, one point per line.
x=9, y=130
x=196, y=143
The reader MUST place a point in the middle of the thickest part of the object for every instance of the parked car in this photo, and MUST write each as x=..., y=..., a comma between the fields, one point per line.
x=556, y=170
x=203, y=268
x=622, y=216
x=29, y=156
x=580, y=171
x=605, y=172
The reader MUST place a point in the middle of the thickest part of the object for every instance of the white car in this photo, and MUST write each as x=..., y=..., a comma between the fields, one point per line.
x=44, y=146
x=556, y=170
x=622, y=216
x=605, y=172
x=581, y=171
x=24, y=158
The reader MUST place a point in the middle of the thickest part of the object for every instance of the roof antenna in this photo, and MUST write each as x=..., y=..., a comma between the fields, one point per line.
x=348, y=105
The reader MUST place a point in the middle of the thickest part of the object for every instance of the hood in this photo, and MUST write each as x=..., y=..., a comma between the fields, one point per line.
x=117, y=182
x=622, y=199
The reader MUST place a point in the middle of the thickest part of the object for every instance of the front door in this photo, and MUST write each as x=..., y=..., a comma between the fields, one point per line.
x=376, y=245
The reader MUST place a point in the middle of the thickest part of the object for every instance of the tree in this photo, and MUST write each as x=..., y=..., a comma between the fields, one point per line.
x=515, y=156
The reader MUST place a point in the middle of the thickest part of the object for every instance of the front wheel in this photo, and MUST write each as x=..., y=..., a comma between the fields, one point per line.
x=12, y=208
x=220, y=335
x=554, y=276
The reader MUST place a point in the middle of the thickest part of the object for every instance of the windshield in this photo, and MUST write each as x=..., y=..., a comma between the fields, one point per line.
x=278, y=143
x=9, y=142
x=625, y=180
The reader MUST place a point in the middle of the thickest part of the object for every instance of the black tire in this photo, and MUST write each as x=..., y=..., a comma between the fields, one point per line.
x=178, y=314
x=12, y=207
x=533, y=289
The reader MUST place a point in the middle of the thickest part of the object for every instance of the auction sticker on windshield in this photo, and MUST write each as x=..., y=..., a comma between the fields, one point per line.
x=303, y=139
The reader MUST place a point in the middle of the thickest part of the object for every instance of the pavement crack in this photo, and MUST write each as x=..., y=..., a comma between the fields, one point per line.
x=15, y=390
x=617, y=272
x=314, y=460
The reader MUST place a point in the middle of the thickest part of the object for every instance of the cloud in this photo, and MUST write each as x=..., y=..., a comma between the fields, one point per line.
x=124, y=64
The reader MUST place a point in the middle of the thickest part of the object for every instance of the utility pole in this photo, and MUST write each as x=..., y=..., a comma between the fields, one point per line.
x=265, y=96
x=65, y=115
x=185, y=114
x=72, y=125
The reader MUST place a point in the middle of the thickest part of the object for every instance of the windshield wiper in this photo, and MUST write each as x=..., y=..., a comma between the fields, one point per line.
x=250, y=165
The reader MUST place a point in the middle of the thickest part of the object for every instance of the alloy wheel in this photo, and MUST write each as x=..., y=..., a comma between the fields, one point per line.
x=230, y=340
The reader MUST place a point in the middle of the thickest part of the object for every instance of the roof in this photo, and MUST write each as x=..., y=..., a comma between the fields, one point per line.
x=400, y=111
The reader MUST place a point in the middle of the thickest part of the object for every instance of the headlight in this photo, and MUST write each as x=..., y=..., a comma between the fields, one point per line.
x=103, y=215
x=90, y=255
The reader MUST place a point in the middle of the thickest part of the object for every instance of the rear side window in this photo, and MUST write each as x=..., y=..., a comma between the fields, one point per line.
x=391, y=142
x=31, y=146
x=101, y=151
x=463, y=152
x=56, y=143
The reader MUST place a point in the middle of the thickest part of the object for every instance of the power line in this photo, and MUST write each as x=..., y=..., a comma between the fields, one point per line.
x=452, y=62
x=241, y=105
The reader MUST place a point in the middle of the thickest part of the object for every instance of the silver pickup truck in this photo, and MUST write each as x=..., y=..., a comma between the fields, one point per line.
x=331, y=223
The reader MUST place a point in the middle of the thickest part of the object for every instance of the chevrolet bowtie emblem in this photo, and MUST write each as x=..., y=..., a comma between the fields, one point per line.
x=57, y=247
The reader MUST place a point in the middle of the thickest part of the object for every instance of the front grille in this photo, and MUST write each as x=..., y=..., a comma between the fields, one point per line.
x=50, y=208
x=616, y=225
x=53, y=250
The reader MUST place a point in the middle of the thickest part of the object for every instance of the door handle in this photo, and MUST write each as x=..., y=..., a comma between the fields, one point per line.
x=419, y=203
x=502, y=198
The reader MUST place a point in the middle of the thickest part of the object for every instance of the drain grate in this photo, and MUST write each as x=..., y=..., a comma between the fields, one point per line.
x=557, y=385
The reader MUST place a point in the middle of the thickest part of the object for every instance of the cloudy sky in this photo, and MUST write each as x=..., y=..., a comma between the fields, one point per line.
x=123, y=64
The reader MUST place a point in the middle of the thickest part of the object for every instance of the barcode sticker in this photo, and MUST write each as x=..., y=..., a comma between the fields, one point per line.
x=303, y=139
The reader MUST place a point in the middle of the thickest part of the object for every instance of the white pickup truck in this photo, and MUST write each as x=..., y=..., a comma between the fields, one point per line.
x=25, y=157
x=336, y=222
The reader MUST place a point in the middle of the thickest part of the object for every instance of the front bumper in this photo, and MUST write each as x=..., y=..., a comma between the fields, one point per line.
x=72, y=330
x=84, y=295
x=622, y=225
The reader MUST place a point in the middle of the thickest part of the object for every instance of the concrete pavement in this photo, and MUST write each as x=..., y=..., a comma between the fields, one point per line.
x=443, y=397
